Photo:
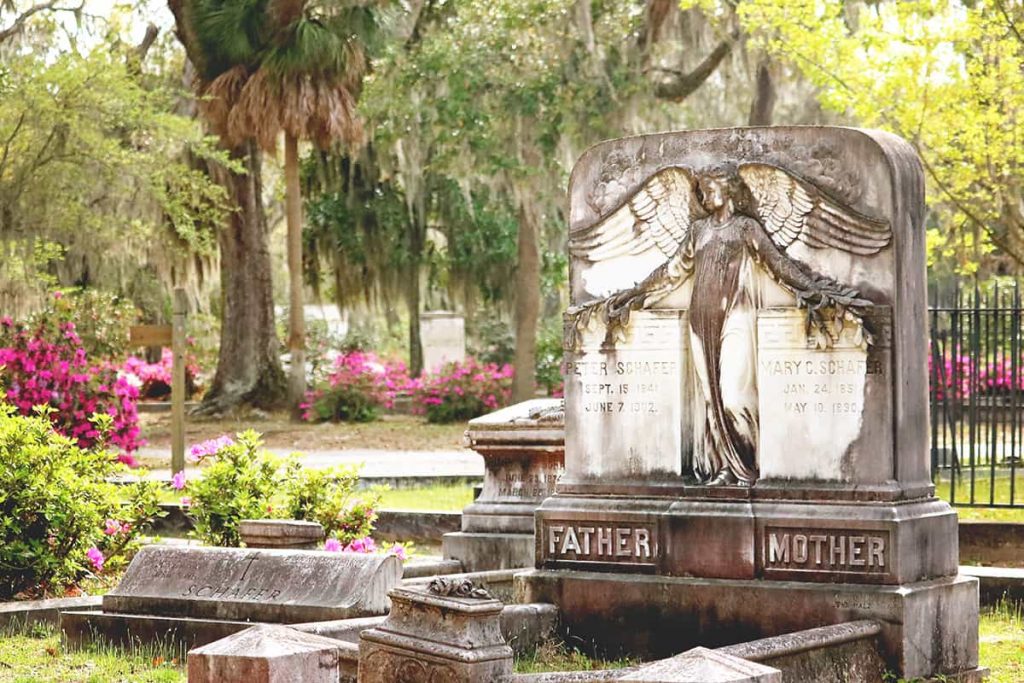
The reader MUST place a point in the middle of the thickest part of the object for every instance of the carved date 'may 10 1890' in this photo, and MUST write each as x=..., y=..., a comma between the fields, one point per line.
x=716, y=226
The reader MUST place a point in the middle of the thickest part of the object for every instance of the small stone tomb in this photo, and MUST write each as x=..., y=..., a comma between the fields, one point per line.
x=523, y=447
x=267, y=653
x=198, y=595
x=450, y=632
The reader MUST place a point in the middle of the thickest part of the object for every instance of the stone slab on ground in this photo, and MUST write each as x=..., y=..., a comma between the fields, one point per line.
x=701, y=665
x=22, y=613
x=279, y=586
x=266, y=654
x=130, y=630
x=997, y=583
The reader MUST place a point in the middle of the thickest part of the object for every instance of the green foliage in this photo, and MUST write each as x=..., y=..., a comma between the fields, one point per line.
x=549, y=357
x=91, y=171
x=239, y=484
x=331, y=497
x=55, y=503
x=947, y=76
x=246, y=482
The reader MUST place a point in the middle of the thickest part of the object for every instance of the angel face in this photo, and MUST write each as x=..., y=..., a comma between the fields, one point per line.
x=714, y=193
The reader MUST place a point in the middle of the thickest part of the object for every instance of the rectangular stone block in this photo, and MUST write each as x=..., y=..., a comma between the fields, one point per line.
x=701, y=665
x=279, y=586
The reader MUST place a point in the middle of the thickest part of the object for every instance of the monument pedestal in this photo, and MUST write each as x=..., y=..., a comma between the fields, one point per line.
x=523, y=447
x=928, y=627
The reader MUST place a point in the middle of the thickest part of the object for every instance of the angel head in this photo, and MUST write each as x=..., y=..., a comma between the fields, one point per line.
x=720, y=186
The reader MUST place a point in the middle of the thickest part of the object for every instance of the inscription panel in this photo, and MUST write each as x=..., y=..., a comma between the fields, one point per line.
x=801, y=550
x=626, y=408
x=820, y=399
x=615, y=542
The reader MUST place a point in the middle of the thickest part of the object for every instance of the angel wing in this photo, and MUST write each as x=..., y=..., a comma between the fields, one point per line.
x=657, y=216
x=793, y=209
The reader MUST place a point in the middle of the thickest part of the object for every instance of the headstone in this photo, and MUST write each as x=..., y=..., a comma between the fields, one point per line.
x=523, y=450
x=746, y=399
x=701, y=665
x=198, y=595
x=443, y=335
x=266, y=654
x=280, y=533
x=450, y=632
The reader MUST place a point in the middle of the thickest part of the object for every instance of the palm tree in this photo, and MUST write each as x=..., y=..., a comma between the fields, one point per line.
x=272, y=67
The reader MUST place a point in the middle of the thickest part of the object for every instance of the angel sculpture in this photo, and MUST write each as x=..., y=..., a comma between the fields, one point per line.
x=715, y=226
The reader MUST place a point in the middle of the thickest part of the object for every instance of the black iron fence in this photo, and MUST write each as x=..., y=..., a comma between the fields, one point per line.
x=976, y=374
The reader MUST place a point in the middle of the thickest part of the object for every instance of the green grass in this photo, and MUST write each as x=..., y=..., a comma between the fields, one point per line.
x=553, y=656
x=39, y=657
x=985, y=488
x=1001, y=646
x=442, y=497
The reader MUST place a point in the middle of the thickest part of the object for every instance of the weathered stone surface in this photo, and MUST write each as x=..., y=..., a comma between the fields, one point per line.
x=256, y=585
x=266, y=654
x=443, y=336
x=928, y=627
x=701, y=665
x=429, y=637
x=628, y=408
x=23, y=613
x=484, y=551
x=280, y=533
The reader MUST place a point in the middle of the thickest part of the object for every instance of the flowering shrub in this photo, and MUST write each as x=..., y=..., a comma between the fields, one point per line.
x=62, y=518
x=331, y=497
x=101, y=320
x=45, y=366
x=367, y=545
x=154, y=379
x=462, y=391
x=358, y=386
x=245, y=482
x=962, y=377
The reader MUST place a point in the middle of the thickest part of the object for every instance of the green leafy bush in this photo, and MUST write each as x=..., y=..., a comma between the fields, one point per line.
x=245, y=482
x=331, y=497
x=60, y=517
x=240, y=483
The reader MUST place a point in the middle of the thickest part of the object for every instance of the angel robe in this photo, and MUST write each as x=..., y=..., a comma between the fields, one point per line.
x=723, y=318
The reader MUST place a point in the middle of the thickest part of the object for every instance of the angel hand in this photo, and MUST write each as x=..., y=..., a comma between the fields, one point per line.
x=614, y=312
x=828, y=304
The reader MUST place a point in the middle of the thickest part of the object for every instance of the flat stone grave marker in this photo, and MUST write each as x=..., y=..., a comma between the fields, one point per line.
x=204, y=594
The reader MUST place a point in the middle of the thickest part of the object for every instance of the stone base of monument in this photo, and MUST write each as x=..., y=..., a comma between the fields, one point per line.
x=928, y=627
x=728, y=564
x=481, y=552
x=523, y=447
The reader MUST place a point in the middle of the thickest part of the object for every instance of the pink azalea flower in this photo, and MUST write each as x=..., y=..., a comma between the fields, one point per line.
x=96, y=558
x=186, y=500
x=112, y=528
x=398, y=551
x=332, y=545
x=178, y=480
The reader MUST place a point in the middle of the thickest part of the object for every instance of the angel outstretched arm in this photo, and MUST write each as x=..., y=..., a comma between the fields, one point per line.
x=816, y=292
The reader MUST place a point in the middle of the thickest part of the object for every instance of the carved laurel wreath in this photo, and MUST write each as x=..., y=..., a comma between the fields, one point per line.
x=458, y=588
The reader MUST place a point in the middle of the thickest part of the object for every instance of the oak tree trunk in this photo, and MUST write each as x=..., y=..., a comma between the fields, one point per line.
x=296, y=312
x=417, y=234
x=248, y=363
x=527, y=307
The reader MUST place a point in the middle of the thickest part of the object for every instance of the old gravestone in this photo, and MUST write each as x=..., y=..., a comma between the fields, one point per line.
x=195, y=596
x=523, y=447
x=444, y=338
x=746, y=400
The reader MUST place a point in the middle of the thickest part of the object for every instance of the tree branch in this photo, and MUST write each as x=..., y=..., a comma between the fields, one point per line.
x=21, y=19
x=1009, y=20
x=682, y=85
